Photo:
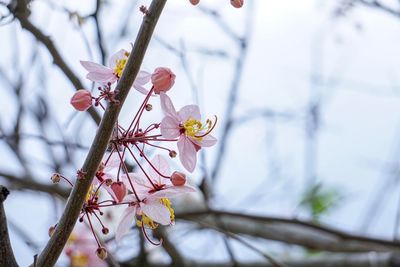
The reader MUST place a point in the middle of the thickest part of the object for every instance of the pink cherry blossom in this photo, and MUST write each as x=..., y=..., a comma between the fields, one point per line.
x=153, y=191
x=185, y=125
x=81, y=248
x=81, y=100
x=116, y=65
x=163, y=79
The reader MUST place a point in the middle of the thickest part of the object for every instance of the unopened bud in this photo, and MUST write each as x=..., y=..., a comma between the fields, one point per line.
x=81, y=100
x=172, y=153
x=163, y=79
x=237, y=3
x=149, y=107
x=194, y=2
x=119, y=190
x=105, y=231
x=178, y=178
x=55, y=178
x=51, y=231
x=101, y=252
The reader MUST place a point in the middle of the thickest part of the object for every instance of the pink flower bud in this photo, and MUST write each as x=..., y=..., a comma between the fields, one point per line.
x=163, y=79
x=194, y=2
x=81, y=100
x=119, y=190
x=237, y=3
x=178, y=178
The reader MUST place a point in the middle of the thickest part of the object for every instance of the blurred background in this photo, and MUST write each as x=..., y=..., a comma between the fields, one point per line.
x=307, y=95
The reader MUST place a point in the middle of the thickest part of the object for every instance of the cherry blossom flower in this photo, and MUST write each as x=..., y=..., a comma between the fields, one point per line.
x=186, y=124
x=116, y=65
x=153, y=191
x=81, y=100
x=81, y=249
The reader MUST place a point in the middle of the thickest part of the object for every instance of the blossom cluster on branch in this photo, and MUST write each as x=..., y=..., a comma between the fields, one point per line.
x=146, y=193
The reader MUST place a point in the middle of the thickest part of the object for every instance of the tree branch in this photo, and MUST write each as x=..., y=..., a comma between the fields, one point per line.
x=326, y=260
x=53, y=249
x=291, y=231
x=20, y=11
x=6, y=253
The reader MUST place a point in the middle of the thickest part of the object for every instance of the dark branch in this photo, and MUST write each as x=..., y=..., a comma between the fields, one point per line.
x=6, y=252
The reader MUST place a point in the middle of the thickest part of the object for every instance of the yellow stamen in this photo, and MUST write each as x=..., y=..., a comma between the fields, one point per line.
x=192, y=127
x=120, y=65
x=79, y=260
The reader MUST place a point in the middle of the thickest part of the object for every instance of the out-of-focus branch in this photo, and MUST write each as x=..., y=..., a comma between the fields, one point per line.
x=329, y=260
x=20, y=11
x=291, y=231
x=99, y=32
x=169, y=247
x=27, y=183
x=380, y=6
x=6, y=253
x=242, y=44
x=53, y=249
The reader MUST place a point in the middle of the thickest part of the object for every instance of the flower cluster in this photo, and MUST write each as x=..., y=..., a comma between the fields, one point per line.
x=145, y=192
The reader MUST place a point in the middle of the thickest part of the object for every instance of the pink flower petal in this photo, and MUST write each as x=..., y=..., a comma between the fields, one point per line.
x=142, y=78
x=167, y=106
x=127, y=219
x=101, y=77
x=189, y=112
x=206, y=141
x=173, y=191
x=162, y=166
x=121, y=54
x=169, y=127
x=187, y=153
x=156, y=211
x=140, y=183
x=113, y=161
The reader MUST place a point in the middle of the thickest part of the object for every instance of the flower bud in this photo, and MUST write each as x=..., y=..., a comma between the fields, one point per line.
x=237, y=3
x=163, y=79
x=109, y=181
x=81, y=100
x=178, y=178
x=51, y=231
x=119, y=190
x=105, y=230
x=194, y=2
x=149, y=107
x=172, y=153
x=101, y=252
x=55, y=178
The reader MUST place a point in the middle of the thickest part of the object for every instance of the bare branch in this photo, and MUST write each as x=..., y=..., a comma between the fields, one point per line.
x=6, y=253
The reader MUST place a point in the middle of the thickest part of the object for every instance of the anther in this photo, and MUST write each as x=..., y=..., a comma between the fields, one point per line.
x=149, y=107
